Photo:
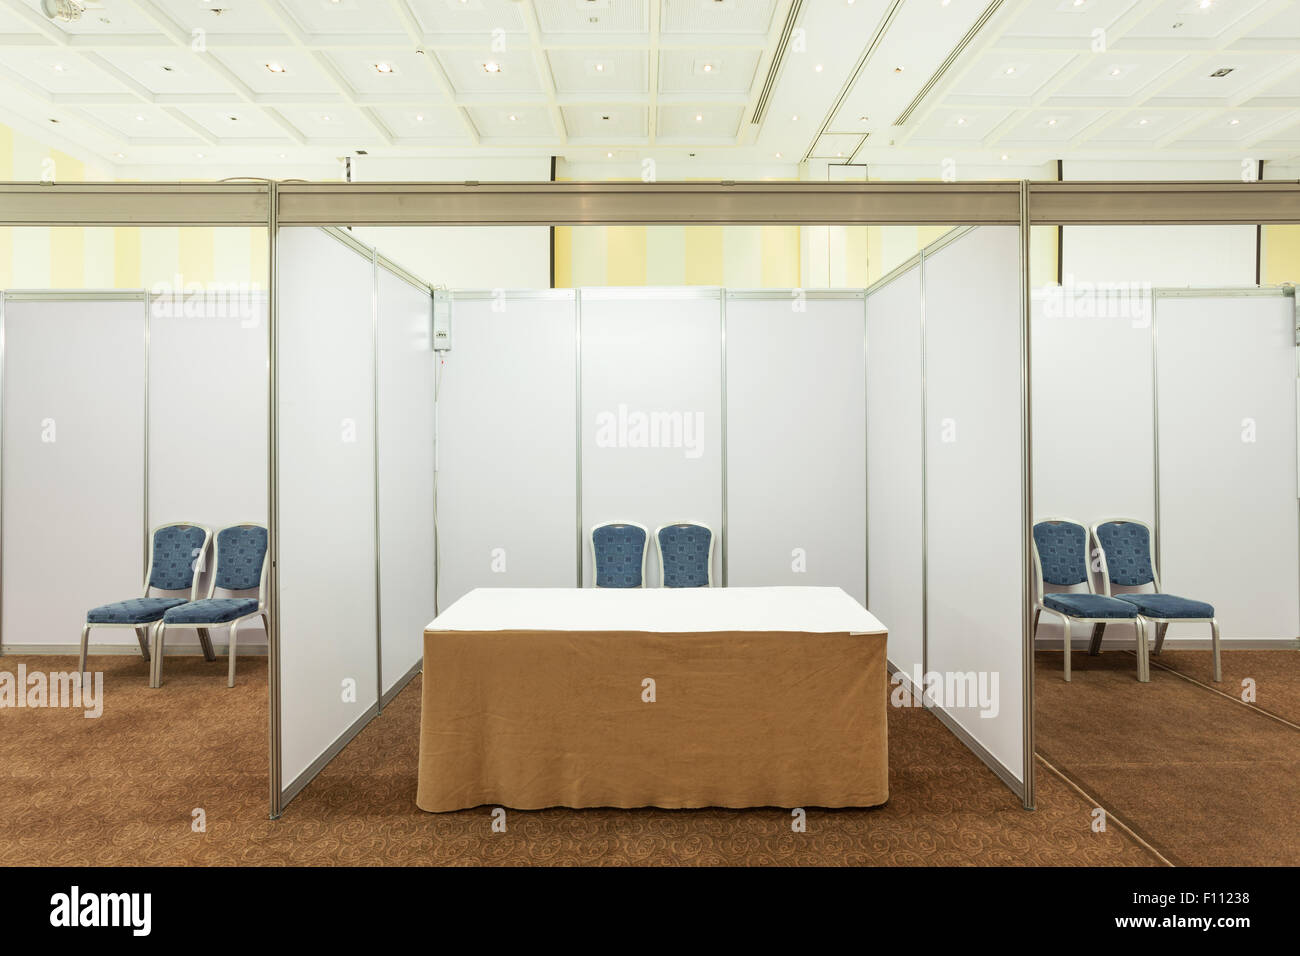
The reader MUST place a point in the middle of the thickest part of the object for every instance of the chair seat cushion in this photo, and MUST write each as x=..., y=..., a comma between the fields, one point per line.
x=1089, y=605
x=142, y=610
x=1168, y=605
x=211, y=611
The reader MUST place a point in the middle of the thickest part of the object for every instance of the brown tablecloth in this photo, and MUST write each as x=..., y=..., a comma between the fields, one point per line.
x=532, y=719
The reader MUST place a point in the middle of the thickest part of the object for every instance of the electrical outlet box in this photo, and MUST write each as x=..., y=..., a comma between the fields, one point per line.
x=441, y=322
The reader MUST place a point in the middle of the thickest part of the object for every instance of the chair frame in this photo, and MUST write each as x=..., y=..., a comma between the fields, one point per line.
x=1098, y=623
x=659, y=548
x=1161, y=623
x=591, y=542
x=144, y=632
x=160, y=631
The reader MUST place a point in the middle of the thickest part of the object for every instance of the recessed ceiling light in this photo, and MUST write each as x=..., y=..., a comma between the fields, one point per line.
x=1051, y=122
x=1009, y=71
x=513, y=118
x=838, y=154
x=325, y=118
x=1005, y=156
x=1143, y=122
x=139, y=118
x=199, y=155
x=699, y=117
x=817, y=68
x=383, y=68
x=1116, y=71
x=282, y=156
x=59, y=67
x=275, y=67
x=1206, y=4
x=1078, y=3
x=794, y=118
x=778, y=155
x=491, y=66
x=1234, y=121
x=961, y=121
x=708, y=67
x=609, y=155
x=419, y=117
x=898, y=69
x=944, y=3
x=600, y=67
x=119, y=155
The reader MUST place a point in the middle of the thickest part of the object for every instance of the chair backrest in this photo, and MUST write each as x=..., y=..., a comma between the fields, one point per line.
x=618, y=551
x=241, y=557
x=685, y=554
x=1061, y=553
x=1126, y=552
x=176, y=560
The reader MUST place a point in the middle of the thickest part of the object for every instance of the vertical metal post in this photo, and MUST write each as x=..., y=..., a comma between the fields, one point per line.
x=722, y=328
x=3, y=409
x=925, y=491
x=1027, y=584
x=577, y=421
x=866, y=458
x=144, y=554
x=273, y=499
x=1155, y=431
x=374, y=435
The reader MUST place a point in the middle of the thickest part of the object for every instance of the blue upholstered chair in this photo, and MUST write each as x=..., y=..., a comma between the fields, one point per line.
x=1061, y=560
x=240, y=556
x=685, y=554
x=618, y=550
x=1128, y=560
x=175, y=564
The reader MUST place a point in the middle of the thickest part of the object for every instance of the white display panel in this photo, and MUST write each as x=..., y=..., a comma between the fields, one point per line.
x=73, y=471
x=796, y=441
x=975, y=537
x=328, y=640
x=651, y=412
x=1158, y=256
x=1094, y=441
x=507, y=480
x=208, y=419
x=1226, y=373
x=406, y=463
x=894, y=476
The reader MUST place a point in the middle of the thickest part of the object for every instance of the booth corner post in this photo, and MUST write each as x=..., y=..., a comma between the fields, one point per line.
x=1027, y=502
x=273, y=504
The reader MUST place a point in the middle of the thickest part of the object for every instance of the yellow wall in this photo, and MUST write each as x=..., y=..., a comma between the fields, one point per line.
x=113, y=258
x=1280, y=260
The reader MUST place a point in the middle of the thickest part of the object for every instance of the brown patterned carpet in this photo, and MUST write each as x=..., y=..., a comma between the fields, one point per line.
x=1205, y=780
x=122, y=789
x=1276, y=676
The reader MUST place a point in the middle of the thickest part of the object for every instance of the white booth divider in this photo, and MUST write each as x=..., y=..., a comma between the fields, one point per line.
x=507, y=474
x=405, y=461
x=651, y=429
x=1197, y=387
x=73, y=465
x=895, y=476
x=207, y=421
x=974, y=496
x=1229, y=526
x=796, y=410
x=355, y=461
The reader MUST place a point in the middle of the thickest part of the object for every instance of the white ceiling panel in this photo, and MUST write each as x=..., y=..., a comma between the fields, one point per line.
x=1074, y=19
x=953, y=126
x=342, y=17
x=58, y=71
x=301, y=74
x=1013, y=74
x=1048, y=127
x=343, y=124
x=234, y=123
x=1185, y=20
x=696, y=17
x=392, y=73
x=513, y=123
x=447, y=19
x=1116, y=76
x=167, y=72
x=705, y=124
x=593, y=18
x=608, y=124
x=835, y=146
x=221, y=17
x=1235, y=126
x=1248, y=70
x=109, y=18
x=470, y=71
x=707, y=72
x=425, y=123
x=599, y=72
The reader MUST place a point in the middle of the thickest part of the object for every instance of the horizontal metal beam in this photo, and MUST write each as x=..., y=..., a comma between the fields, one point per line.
x=1169, y=203
x=134, y=204
x=695, y=203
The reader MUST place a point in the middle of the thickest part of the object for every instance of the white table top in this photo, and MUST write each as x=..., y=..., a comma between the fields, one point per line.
x=658, y=610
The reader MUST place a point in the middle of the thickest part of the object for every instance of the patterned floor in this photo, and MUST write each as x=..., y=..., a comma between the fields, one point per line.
x=124, y=789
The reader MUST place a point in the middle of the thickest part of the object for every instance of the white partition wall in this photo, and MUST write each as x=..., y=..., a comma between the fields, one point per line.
x=326, y=474
x=796, y=439
x=651, y=429
x=405, y=460
x=974, y=506
x=207, y=419
x=1226, y=382
x=894, y=466
x=507, y=478
x=74, y=458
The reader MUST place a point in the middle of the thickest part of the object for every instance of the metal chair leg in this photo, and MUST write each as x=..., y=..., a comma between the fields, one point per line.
x=230, y=678
x=142, y=635
x=1161, y=631
x=1066, y=623
x=1143, y=663
x=205, y=641
x=159, y=648
x=1094, y=646
x=85, y=640
x=1214, y=640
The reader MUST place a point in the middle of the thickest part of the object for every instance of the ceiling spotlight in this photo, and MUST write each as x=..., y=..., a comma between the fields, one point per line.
x=961, y=121
x=1005, y=156
x=66, y=10
x=1234, y=121
x=139, y=118
x=944, y=3
x=275, y=67
x=419, y=117
x=817, y=68
x=1116, y=71
x=1051, y=122
x=1078, y=3
x=699, y=117
x=609, y=155
x=119, y=155
x=514, y=118
x=59, y=68
x=778, y=155
x=198, y=155
x=898, y=69
x=708, y=67
x=1143, y=122
x=383, y=68
x=838, y=155
x=282, y=156
x=600, y=67
x=794, y=118
x=491, y=66
x=1010, y=71
x=1206, y=4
